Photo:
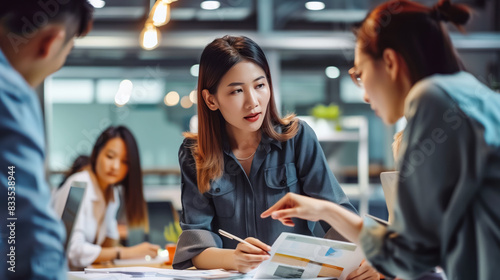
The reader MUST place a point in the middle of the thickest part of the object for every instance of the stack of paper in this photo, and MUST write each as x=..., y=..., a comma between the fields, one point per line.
x=161, y=272
x=141, y=261
x=80, y=275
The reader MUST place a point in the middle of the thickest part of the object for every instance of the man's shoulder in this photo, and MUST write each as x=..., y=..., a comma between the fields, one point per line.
x=18, y=101
x=13, y=86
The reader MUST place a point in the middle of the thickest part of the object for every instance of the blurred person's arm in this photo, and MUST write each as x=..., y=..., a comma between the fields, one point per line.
x=38, y=233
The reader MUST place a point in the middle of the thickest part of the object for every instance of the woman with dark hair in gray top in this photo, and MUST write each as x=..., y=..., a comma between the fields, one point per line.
x=449, y=184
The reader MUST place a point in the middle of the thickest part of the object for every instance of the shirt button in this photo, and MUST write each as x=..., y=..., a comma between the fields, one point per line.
x=217, y=190
x=283, y=182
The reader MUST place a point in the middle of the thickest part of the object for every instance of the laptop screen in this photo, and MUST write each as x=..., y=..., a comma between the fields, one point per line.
x=71, y=208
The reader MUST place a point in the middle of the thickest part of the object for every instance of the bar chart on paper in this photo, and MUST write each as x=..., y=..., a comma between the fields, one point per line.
x=299, y=256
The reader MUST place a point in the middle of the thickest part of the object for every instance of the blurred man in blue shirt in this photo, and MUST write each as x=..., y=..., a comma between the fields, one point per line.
x=35, y=38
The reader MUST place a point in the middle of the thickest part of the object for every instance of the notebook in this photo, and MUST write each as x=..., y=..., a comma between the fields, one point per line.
x=72, y=207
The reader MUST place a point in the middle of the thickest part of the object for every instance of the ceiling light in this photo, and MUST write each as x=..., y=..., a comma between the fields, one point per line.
x=332, y=72
x=195, y=70
x=124, y=92
x=171, y=99
x=315, y=5
x=161, y=12
x=186, y=103
x=193, y=96
x=150, y=37
x=210, y=5
x=97, y=3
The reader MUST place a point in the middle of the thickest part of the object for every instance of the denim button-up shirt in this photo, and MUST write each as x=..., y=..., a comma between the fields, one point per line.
x=235, y=201
x=38, y=233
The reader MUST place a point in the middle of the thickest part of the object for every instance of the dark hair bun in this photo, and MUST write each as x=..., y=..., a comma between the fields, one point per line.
x=455, y=13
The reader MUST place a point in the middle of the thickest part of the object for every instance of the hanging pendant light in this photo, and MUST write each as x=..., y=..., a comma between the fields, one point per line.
x=150, y=37
x=161, y=12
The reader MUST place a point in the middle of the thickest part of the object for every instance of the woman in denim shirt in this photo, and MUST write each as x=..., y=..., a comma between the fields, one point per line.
x=243, y=160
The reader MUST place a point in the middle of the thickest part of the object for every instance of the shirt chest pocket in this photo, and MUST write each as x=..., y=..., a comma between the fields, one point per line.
x=280, y=180
x=223, y=194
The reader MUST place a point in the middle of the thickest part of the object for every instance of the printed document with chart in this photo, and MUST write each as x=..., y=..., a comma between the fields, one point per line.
x=301, y=256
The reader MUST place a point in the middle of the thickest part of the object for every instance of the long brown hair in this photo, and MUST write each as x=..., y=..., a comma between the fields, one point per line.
x=135, y=205
x=217, y=58
x=416, y=32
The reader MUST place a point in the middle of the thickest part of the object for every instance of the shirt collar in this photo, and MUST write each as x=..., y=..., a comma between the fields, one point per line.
x=14, y=78
x=3, y=59
x=267, y=140
x=95, y=193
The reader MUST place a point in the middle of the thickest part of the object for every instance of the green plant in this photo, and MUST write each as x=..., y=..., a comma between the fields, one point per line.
x=330, y=112
x=172, y=232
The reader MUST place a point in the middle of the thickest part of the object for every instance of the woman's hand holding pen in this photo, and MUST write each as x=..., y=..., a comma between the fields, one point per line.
x=247, y=258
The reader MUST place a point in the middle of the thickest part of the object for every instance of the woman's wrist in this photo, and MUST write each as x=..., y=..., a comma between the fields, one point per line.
x=118, y=253
x=347, y=223
x=213, y=257
x=228, y=260
x=123, y=252
x=326, y=210
x=329, y=212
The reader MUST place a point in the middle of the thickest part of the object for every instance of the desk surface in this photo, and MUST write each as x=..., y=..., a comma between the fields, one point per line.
x=111, y=264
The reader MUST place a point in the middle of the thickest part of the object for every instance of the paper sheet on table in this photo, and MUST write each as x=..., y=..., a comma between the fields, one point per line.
x=81, y=275
x=141, y=261
x=139, y=271
x=300, y=256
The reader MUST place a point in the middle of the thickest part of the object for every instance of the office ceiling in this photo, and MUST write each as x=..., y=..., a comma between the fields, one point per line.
x=285, y=25
x=243, y=14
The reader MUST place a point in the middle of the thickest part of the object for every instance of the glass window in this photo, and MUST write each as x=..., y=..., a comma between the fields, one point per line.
x=71, y=91
x=79, y=109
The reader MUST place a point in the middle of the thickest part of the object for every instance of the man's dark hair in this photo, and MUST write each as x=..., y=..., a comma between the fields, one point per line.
x=23, y=17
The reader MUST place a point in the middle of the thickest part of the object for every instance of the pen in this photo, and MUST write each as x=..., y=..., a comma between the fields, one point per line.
x=230, y=236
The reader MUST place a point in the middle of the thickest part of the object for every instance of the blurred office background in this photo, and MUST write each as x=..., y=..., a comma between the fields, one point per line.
x=310, y=48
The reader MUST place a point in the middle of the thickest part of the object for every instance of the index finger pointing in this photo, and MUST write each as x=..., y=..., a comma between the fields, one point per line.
x=281, y=204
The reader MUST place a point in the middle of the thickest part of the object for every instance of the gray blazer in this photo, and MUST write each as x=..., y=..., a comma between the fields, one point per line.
x=448, y=211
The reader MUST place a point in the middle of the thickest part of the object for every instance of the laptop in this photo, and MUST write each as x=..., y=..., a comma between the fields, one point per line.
x=389, y=186
x=72, y=208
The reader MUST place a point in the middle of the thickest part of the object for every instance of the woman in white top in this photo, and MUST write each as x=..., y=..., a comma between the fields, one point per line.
x=114, y=161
